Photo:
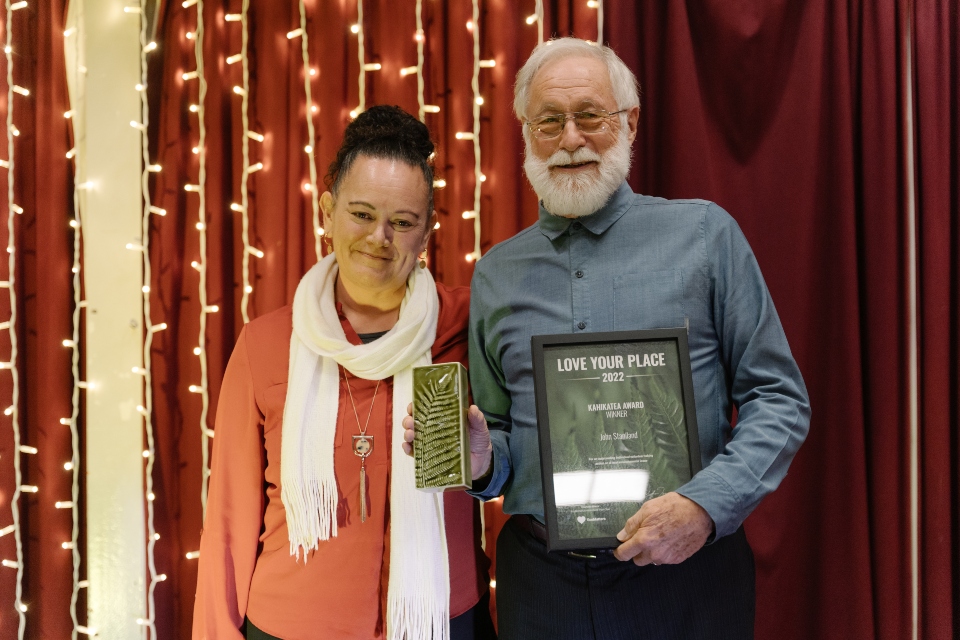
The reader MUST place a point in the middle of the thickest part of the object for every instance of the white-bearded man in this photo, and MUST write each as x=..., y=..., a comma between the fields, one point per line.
x=602, y=258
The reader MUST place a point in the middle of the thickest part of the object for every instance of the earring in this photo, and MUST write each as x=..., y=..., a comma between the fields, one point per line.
x=423, y=260
x=328, y=241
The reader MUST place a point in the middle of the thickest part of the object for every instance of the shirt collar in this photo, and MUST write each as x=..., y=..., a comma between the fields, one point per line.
x=554, y=226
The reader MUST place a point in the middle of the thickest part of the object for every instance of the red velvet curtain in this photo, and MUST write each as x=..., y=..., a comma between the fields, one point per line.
x=789, y=115
x=936, y=92
x=793, y=115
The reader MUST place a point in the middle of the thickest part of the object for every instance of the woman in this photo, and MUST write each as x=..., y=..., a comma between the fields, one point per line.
x=313, y=526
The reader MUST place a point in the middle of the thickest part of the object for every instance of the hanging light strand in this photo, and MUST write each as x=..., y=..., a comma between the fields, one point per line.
x=361, y=55
x=202, y=228
x=146, y=408
x=477, y=101
x=599, y=22
x=539, y=18
x=73, y=466
x=245, y=145
x=420, y=37
x=14, y=410
x=314, y=192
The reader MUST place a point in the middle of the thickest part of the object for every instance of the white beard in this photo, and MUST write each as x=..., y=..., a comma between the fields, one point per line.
x=579, y=194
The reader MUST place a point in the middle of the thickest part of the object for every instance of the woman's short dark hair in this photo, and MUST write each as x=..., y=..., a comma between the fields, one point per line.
x=384, y=132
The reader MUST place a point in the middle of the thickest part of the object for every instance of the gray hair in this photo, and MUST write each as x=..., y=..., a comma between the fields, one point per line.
x=626, y=89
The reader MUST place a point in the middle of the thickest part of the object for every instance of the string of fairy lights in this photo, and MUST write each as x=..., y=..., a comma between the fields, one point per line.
x=199, y=188
x=419, y=38
x=245, y=137
x=537, y=18
x=422, y=108
x=474, y=214
x=13, y=410
x=361, y=55
x=73, y=343
x=308, y=74
x=365, y=67
x=149, y=328
x=479, y=177
x=598, y=5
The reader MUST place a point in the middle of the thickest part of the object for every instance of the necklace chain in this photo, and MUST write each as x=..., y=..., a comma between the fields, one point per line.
x=363, y=429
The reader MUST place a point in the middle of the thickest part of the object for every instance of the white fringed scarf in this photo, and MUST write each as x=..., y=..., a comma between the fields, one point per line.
x=418, y=595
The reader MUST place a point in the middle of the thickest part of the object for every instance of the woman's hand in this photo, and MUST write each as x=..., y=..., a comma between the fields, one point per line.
x=481, y=449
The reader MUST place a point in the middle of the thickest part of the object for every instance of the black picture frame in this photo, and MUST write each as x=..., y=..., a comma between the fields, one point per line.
x=666, y=386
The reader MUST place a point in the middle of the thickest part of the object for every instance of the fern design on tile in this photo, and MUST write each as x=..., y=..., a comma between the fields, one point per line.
x=437, y=445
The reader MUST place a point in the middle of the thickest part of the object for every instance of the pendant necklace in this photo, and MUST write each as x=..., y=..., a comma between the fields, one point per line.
x=362, y=444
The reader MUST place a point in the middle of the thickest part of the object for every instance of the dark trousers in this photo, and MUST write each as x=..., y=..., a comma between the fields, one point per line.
x=710, y=596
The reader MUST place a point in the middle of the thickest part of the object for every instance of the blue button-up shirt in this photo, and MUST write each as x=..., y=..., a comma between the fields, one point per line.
x=641, y=263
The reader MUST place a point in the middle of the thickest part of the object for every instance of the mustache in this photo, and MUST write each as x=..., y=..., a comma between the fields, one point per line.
x=562, y=157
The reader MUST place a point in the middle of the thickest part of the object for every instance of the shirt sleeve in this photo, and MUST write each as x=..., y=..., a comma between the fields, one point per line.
x=229, y=544
x=765, y=385
x=488, y=384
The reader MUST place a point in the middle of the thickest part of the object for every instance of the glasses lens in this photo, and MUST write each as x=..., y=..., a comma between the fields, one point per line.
x=589, y=121
x=549, y=126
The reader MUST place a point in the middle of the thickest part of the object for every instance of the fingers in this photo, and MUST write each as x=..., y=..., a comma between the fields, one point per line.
x=481, y=447
x=644, y=558
x=644, y=548
x=409, y=431
x=630, y=528
x=477, y=422
x=632, y=548
x=632, y=544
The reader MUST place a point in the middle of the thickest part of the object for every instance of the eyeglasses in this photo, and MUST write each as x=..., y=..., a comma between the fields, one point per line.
x=552, y=125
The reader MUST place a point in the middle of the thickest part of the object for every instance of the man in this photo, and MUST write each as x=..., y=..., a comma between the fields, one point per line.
x=602, y=258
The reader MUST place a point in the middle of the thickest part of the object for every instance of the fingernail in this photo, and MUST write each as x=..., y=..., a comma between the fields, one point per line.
x=622, y=535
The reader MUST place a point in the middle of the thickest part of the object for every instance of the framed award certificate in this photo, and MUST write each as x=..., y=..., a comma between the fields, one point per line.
x=617, y=426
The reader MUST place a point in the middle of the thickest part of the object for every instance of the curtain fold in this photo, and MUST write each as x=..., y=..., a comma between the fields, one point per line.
x=791, y=115
x=936, y=82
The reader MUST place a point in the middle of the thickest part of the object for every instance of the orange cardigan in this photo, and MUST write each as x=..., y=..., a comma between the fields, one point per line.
x=245, y=564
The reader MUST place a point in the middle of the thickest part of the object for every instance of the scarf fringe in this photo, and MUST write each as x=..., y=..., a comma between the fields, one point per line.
x=319, y=504
x=413, y=617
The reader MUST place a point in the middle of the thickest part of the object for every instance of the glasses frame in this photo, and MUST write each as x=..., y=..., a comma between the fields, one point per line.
x=533, y=124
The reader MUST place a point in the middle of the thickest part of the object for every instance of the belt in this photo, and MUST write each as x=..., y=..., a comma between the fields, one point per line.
x=532, y=526
x=538, y=530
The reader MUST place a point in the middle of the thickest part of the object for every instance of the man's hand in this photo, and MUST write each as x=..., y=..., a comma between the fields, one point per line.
x=481, y=449
x=666, y=530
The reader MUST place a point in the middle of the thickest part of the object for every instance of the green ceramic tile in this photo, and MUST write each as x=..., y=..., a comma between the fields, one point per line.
x=442, y=446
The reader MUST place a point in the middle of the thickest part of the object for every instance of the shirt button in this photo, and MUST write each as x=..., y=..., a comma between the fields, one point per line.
x=576, y=226
x=582, y=325
x=579, y=274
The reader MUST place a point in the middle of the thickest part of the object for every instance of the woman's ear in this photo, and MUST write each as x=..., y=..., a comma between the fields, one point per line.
x=326, y=206
x=431, y=223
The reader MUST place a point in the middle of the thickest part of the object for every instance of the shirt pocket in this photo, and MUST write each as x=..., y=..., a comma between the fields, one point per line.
x=652, y=300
